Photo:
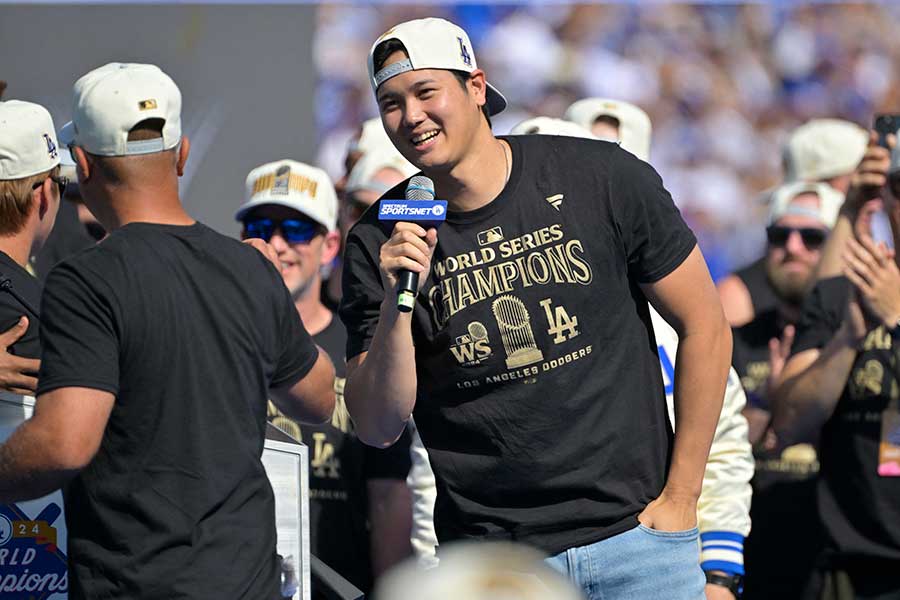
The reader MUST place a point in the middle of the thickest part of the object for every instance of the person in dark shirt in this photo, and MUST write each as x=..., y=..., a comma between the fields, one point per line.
x=30, y=190
x=840, y=388
x=360, y=512
x=800, y=218
x=160, y=347
x=529, y=359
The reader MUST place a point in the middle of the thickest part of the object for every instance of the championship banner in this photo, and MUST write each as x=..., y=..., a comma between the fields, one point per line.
x=32, y=534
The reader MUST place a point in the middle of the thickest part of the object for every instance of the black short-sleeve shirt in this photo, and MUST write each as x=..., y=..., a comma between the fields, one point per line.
x=859, y=508
x=188, y=329
x=340, y=467
x=535, y=356
x=28, y=288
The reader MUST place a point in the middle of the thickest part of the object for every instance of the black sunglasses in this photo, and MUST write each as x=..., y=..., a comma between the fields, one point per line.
x=60, y=181
x=812, y=237
x=294, y=231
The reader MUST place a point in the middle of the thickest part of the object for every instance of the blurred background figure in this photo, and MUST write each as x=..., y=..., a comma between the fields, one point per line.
x=822, y=150
x=359, y=503
x=479, y=571
x=801, y=216
x=839, y=389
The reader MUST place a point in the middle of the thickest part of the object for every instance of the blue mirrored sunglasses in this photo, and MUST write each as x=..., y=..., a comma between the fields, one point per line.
x=294, y=231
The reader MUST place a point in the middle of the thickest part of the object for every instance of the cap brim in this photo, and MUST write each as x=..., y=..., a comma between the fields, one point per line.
x=66, y=135
x=246, y=208
x=496, y=102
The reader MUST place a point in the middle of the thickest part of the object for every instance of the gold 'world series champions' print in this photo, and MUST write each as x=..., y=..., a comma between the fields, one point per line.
x=493, y=273
x=501, y=265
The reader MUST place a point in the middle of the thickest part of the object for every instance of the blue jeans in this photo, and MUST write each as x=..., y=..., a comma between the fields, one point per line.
x=640, y=564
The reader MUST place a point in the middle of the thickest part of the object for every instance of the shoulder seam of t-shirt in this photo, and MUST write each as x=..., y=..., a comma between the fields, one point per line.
x=669, y=267
x=298, y=373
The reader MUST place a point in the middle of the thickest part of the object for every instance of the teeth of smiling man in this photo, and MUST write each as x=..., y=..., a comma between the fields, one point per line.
x=424, y=137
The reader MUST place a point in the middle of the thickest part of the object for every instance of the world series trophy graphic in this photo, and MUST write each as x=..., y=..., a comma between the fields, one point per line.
x=515, y=331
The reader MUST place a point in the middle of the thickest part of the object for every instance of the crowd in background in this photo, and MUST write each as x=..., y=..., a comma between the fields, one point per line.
x=723, y=86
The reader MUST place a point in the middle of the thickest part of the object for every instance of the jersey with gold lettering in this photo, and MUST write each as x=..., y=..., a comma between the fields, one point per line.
x=859, y=449
x=540, y=398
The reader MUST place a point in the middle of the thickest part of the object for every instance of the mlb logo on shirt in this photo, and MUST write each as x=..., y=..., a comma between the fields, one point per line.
x=51, y=147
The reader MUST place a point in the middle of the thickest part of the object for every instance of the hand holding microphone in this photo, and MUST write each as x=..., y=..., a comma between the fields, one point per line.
x=408, y=251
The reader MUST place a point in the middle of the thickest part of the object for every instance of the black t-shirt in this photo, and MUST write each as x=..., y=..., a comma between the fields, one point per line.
x=188, y=329
x=860, y=509
x=762, y=294
x=540, y=398
x=340, y=466
x=784, y=482
x=11, y=309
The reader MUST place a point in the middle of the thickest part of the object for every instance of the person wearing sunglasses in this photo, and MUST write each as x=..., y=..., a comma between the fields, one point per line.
x=30, y=190
x=360, y=511
x=800, y=218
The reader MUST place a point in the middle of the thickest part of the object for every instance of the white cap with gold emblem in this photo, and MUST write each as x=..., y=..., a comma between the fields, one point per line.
x=296, y=185
x=110, y=100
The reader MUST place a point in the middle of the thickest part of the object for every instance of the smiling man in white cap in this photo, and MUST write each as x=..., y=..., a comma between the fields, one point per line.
x=359, y=513
x=529, y=358
x=30, y=191
x=160, y=344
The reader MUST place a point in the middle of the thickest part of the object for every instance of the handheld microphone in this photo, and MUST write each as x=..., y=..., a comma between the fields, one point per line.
x=421, y=208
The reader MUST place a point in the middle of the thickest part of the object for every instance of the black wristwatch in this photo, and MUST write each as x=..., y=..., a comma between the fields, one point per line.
x=735, y=583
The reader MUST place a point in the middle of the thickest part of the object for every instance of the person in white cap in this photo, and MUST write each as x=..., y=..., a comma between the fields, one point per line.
x=840, y=390
x=159, y=346
x=359, y=513
x=529, y=357
x=614, y=120
x=30, y=191
x=821, y=150
x=801, y=216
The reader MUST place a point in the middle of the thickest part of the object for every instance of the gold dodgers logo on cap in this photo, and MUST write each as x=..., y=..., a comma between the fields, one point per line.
x=282, y=181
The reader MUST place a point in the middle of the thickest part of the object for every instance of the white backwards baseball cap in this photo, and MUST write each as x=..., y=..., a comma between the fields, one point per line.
x=824, y=148
x=296, y=185
x=28, y=143
x=830, y=201
x=110, y=100
x=432, y=44
x=551, y=126
x=634, y=123
x=363, y=173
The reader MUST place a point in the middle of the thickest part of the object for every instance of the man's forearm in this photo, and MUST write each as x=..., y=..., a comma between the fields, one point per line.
x=805, y=399
x=28, y=467
x=831, y=263
x=381, y=392
x=701, y=371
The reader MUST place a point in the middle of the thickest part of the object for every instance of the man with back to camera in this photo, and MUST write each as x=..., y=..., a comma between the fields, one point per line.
x=30, y=191
x=359, y=503
x=160, y=346
x=507, y=322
